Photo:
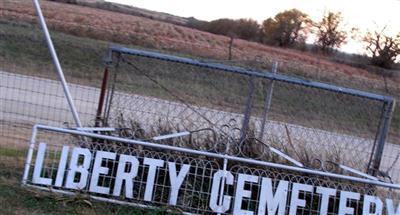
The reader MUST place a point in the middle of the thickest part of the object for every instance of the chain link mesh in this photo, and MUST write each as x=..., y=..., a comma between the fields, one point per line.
x=195, y=191
x=149, y=97
x=306, y=123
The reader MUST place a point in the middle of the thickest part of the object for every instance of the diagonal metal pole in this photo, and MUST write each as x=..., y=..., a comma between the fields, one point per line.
x=267, y=102
x=57, y=63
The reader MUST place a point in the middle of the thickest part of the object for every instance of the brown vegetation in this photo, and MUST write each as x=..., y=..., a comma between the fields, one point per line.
x=132, y=30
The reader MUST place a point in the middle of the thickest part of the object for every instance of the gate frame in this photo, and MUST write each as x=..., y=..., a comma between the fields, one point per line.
x=384, y=122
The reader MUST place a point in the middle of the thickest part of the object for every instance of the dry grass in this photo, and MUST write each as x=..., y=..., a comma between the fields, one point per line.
x=132, y=30
x=127, y=29
x=139, y=31
x=301, y=150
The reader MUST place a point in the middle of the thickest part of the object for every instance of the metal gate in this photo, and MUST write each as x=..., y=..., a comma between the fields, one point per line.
x=159, y=93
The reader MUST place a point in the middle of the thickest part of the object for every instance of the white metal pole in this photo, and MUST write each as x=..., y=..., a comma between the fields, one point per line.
x=57, y=63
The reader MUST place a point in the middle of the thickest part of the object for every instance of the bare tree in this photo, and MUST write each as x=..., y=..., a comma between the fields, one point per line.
x=330, y=32
x=286, y=28
x=384, y=49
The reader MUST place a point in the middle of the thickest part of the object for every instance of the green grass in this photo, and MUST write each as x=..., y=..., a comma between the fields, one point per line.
x=10, y=152
x=23, y=51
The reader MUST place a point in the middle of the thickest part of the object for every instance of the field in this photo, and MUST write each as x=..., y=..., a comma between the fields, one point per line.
x=79, y=54
x=138, y=31
x=82, y=36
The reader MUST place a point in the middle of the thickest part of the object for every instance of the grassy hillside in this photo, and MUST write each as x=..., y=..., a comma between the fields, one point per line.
x=31, y=56
x=81, y=59
x=130, y=10
x=82, y=35
x=139, y=31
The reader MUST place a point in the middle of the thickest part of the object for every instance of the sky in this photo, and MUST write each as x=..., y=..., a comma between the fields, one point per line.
x=362, y=14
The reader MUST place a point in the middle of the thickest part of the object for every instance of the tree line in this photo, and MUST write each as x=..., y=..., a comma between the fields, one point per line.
x=291, y=28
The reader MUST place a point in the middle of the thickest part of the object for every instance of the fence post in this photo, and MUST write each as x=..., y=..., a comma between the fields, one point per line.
x=267, y=101
x=111, y=89
x=247, y=112
x=230, y=48
x=388, y=108
x=102, y=97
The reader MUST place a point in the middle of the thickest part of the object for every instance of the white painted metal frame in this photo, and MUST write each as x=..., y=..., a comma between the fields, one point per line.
x=194, y=152
x=57, y=64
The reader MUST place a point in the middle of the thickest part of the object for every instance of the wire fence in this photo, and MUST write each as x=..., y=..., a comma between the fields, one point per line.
x=246, y=186
x=27, y=98
x=308, y=120
x=247, y=114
